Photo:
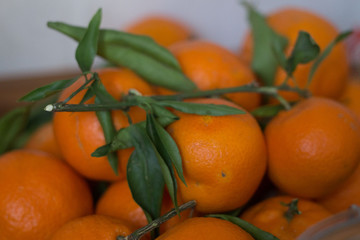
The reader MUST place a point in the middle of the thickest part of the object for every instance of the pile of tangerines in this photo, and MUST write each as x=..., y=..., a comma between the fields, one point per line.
x=299, y=168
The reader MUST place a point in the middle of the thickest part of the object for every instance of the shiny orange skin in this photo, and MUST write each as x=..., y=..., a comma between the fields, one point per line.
x=313, y=148
x=345, y=195
x=43, y=139
x=288, y=22
x=224, y=157
x=351, y=95
x=93, y=227
x=163, y=29
x=268, y=215
x=118, y=202
x=79, y=133
x=39, y=193
x=211, y=66
x=202, y=228
x=349, y=192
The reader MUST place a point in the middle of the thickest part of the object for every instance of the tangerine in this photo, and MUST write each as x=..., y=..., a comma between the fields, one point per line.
x=118, y=202
x=43, y=139
x=350, y=97
x=93, y=227
x=39, y=194
x=211, y=66
x=163, y=29
x=288, y=22
x=313, y=148
x=224, y=157
x=345, y=195
x=79, y=134
x=277, y=216
x=205, y=228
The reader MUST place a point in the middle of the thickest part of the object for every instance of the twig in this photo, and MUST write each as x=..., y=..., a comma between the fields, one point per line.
x=157, y=222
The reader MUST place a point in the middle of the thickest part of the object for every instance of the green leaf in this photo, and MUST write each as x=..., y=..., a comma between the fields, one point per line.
x=325, y=53
x=144, y=173
x=11, y=125
x=47, y=90
x=107, y=125
x=122, y=139
x=87, y=48
x=102, y=151
x=278, y=50
x=267, y=111
x=201, y=109
x=264, y=62
x=255, y=232
x=105, y=119
x=166, y=145
x=163, y=116
x=149, y=60
x=85, y=85
x=101, y=92
x=147, y=67
x=304, y=51
x=88, y=94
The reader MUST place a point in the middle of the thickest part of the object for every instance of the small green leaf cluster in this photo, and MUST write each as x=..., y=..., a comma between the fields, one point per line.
x=268, y=55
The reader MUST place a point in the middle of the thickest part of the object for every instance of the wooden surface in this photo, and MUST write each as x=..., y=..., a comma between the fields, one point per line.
x=13, y=88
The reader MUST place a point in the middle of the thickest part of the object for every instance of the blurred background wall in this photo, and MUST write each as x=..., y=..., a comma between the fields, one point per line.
x=28, y=47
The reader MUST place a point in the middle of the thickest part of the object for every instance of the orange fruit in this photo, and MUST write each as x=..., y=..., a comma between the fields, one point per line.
x=223, y=157
x=39, y=193
x=288, y=22
x=163, y=29
x=118, y=202
x=93, y=227
x=350, y=97
x=205, y=228
x=313, y=148
x=167, y=205
x=211, y=66
x=345, y=195
x=79, y=133
x=43, y=139
x=270, y=216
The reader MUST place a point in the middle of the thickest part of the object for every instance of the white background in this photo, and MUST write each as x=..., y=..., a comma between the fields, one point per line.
x=27, y=46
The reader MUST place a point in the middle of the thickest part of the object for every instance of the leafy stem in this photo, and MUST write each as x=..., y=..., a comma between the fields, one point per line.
x=133, y=100
x=157, y=222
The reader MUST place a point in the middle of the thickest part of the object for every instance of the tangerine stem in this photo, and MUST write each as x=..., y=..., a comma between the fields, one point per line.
x=157, y=222
x=133, y=100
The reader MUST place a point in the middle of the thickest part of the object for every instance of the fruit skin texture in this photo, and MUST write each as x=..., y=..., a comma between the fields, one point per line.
x=211, y=66
x=163, y=29
x=312, y=148
x=93, y=227
x=224, y=158
x=43, y=139
x=39, y=193
x=348, y=193
x=351, y=95
x=332, y=74
x=201, y=228
x=268, y=215
x=118, y=202
x=79, y=133
x=345, y=195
